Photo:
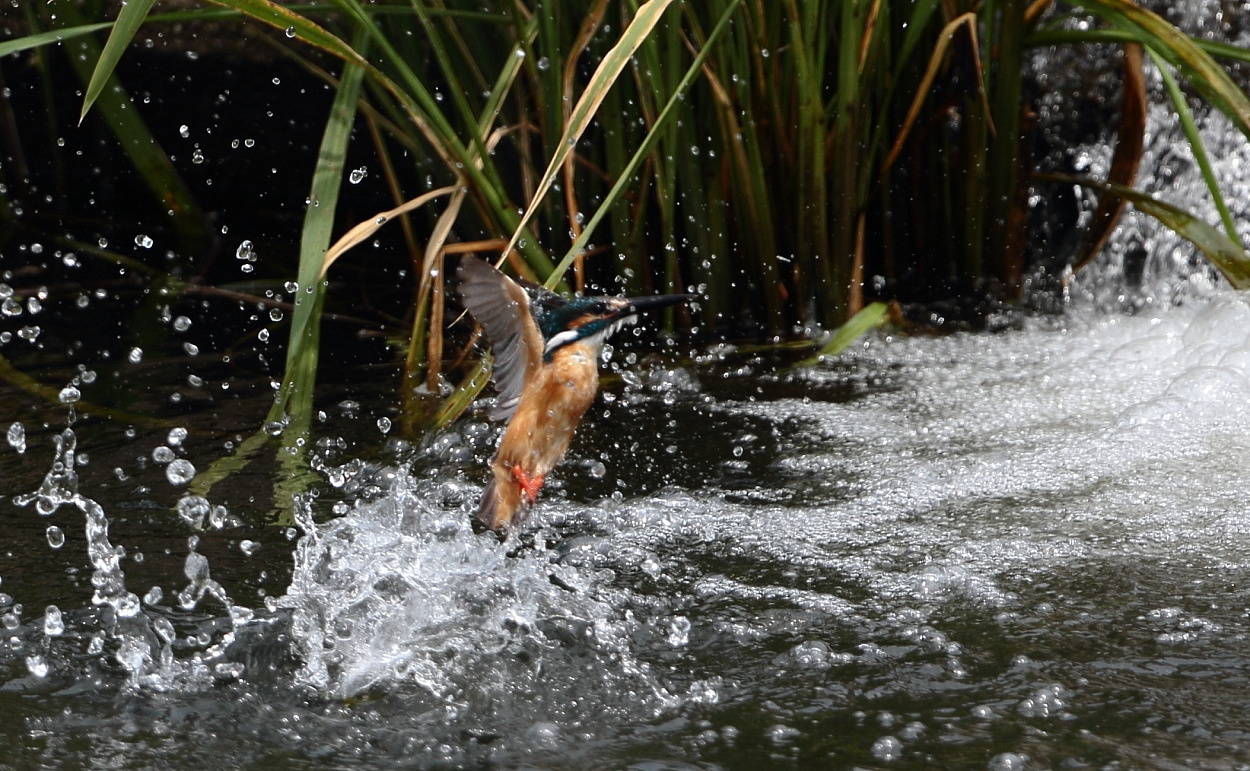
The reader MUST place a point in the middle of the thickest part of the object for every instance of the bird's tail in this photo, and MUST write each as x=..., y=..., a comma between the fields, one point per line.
x=499, y=507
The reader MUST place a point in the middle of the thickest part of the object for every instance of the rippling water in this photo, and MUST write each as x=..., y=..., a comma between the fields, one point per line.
x=1027, y=549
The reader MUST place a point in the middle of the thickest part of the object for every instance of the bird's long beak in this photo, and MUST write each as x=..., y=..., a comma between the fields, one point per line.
x=637, y=305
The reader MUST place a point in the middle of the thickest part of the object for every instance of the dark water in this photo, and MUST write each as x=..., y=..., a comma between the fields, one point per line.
x=1008, y=551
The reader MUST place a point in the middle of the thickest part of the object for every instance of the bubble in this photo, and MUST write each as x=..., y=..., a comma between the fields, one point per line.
x=53, y=623
x=143, y=241
x=191, y=348
x=176, y=437
x=17, y=437
x=182, y=324
x=887, y=748
x=384, y=425
x=1008, y=761
x=180, y=472
x=69, y=395
x=56, y=537
x=154, y=596
x=162, y=454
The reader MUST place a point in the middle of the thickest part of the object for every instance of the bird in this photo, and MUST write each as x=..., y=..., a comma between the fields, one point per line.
x=545, y=353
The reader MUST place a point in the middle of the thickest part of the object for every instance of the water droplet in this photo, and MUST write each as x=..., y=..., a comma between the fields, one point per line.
x=248, y=547
x=162, y=454
x=37, y=666
x=17, y=437
x=263, y=335
x=135, y=356
x=193, y=509
x=56, y=537
x=290, y=32
x=182, y=324
x=153, y=596
x=11, y=307
x=69, y=395
x=197, y=156
x=519, y=54
x=184, y=131
x=144, y=241
x=291, y=287
x=597, y=470
x=384, y=425
x=176, y=436
x=29, y=334
x=53, y=623
x=191, y=348
x=245, y=252
x=358, y=175
x=180, y=472
x=275, y=314
x=542, y=64
x=33, y=305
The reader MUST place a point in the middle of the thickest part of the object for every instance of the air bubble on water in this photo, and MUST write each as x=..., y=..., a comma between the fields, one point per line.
x=176, y=436
x=135, y=356
x=782, y=734
x=17, y=437
x=180, y=472
x=887, y=749
x=53, y=623
x=182, y=324
x=162, y=454
x=1008, y=761
x=143, y=241
x=56, y=537
x=37, y=666
x=358, y=175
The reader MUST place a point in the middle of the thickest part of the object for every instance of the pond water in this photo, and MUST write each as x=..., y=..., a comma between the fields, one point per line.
x=1016, y=550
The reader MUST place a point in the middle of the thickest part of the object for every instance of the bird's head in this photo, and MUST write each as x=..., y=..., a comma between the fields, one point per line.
x=589, y=320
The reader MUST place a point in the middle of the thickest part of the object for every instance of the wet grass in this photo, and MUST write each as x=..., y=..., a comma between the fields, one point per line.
x=792, y=162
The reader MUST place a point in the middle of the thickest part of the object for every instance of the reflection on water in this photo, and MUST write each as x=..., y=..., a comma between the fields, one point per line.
x=1016, y=550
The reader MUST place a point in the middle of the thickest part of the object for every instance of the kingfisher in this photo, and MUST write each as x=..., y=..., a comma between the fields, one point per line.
x=545, y=349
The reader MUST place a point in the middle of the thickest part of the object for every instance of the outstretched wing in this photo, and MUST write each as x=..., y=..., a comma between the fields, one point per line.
x=501, y=306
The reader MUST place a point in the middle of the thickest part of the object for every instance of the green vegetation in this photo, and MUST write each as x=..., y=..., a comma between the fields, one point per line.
x=772, y=154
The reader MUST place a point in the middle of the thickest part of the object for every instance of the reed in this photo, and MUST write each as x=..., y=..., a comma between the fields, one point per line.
x=774, y=155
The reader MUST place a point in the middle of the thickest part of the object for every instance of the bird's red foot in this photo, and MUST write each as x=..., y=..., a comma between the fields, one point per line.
x=529, y=485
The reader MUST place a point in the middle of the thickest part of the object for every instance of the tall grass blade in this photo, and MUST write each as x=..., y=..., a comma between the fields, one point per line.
x=1224, y=253
x=610, y=68
x=648, y=143
x=129, y=19
x=28, y=42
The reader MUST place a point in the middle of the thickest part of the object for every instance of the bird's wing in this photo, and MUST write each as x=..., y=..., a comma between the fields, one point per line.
x=501, y=306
